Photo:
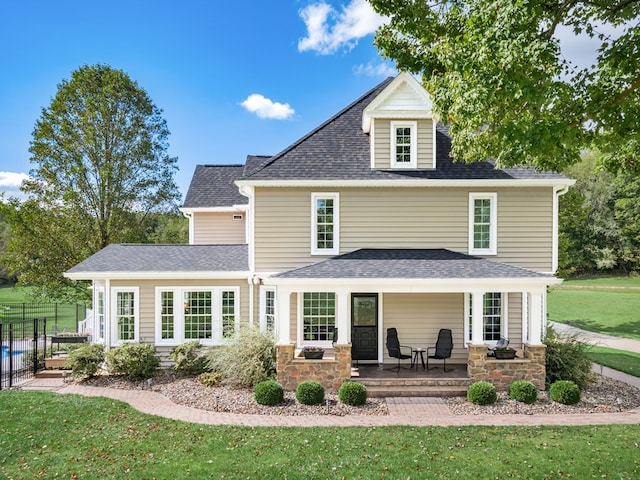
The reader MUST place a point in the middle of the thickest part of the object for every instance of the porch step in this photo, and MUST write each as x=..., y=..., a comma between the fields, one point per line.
x=417, y=391
x=53, y=373
x=55, y=363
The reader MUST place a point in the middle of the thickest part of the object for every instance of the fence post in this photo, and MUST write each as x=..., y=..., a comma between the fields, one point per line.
x=10, y=355
x=1, y=360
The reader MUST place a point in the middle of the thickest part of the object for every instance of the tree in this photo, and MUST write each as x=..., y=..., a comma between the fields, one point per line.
x=497, y=76
x=102, y=171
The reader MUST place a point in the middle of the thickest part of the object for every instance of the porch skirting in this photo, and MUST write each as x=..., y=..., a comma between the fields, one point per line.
x=331, y=371
x=502, y=372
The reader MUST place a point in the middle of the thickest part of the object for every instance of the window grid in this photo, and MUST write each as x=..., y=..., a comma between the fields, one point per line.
x=491, y=316
x=125, y=315
x=319, y=315
x=167, y=316
x=197, y=315
x=324, y=223
x=403, y=145
x=482, y=223
x=228, y=314
x=100, y=308
x=270, y=309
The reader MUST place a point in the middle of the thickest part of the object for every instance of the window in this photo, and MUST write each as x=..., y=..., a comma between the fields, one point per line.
x=100, y=313
x=493, y=308
x=125, y=310
x=268, y=309
x=205, y=314
x=403, y=144
x=483, y=223
x=325, y=225
x=319, y=316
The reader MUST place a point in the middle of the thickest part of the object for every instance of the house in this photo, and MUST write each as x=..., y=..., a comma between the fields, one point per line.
x=363, y=224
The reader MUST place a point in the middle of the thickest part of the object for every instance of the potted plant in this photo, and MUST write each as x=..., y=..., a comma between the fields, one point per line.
x=312, y=352
x=504, y=353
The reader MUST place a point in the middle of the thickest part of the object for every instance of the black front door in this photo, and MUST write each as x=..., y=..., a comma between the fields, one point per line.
x=364, y=326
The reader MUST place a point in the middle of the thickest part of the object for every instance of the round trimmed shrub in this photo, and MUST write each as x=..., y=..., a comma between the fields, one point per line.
x=482, y=393
x=310, y=392
x=523, y=391
x=565, y=392
x=269, y=392
x=353, y=393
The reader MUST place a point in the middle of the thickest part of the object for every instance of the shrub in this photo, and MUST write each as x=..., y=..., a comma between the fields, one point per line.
x=85, y=360
x=247, y=360
x=188, y=359
x=566, y=359
x=210, y=379
x=353, y=393
x=523, y=391
x=482, y=393
x=134, y=360
x=565, y=392
x=310, y=392
x=269, y=392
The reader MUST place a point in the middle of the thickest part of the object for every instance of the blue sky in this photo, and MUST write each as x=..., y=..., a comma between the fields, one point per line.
x=233, y=78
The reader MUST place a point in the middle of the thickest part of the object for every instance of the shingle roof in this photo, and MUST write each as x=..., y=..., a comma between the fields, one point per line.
x=166, y=258
x=340, y=150
x=410, y=264
x=213, y=186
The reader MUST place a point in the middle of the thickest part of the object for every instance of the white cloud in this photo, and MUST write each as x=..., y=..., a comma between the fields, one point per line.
x=266, y=108
x=329, y=30
x=373, y=70
x=10, y=183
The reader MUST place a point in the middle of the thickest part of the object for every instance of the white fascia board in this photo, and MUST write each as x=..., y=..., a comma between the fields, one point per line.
x=234, y=208
x=413, y=285
x=488, y=183
x=173, y=275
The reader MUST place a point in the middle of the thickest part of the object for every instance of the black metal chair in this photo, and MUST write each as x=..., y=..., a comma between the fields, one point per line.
x=396, y=350
x=443, y=348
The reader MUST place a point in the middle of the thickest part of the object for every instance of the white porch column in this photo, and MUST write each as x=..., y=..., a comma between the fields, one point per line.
x=342, y=315
x=535, y=318
x=477, y=318
x=283, y=319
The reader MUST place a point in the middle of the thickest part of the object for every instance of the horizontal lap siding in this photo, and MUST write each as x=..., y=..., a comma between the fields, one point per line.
x=515, y=319
x=382, y=139
x=418, y=319
x=148, y=297
x=218, y=228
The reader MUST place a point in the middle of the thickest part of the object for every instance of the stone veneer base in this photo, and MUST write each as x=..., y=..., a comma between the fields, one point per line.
x=331, y=371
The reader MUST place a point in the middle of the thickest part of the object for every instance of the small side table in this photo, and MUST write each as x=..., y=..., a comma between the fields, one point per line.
x=419, y=352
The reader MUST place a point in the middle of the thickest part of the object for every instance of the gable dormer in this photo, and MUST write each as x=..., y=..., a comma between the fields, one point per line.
x=401, y=126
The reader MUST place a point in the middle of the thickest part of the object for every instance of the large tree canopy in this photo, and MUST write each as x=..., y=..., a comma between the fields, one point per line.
x=102, y=172
x=499, y=79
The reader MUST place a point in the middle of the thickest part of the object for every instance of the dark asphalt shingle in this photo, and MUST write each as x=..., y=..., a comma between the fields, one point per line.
x=213, y=186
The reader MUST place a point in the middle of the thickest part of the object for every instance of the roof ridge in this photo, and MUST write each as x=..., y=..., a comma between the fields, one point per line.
x=302, y=139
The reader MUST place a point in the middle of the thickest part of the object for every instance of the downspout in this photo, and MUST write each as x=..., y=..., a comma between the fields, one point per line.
x=189, y=215
x=557, y=192
x=252, y=279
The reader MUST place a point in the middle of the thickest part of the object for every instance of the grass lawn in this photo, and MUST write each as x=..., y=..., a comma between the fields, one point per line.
x=621, y=360
x=13, y=295
x=45, y=435
x=612, y=311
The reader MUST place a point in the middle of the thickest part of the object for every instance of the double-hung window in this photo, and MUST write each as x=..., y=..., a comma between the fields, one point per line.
x=208, y=315
x=493, y=317
x=100, y=312
x=267, y=309
x=483, y=223
x=319, y=316
x=126, y=312
x=404, y=145
x=325, y=225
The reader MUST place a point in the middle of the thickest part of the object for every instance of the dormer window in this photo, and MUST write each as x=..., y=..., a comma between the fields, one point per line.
x=403, y=144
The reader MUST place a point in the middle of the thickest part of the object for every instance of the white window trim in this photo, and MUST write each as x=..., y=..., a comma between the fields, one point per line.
x=504, y=319
x=335, y=196
x=493, y=240
x=178, y=328
x=263, y=308
x=114, y=311
x=413, y=125
x=318, y=343
x=100, y=291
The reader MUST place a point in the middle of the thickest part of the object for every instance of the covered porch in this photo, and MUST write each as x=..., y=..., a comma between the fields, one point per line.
x=418, y=292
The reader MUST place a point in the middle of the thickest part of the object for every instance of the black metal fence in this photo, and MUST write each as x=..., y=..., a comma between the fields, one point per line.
x=23, y=346
x=60, y=316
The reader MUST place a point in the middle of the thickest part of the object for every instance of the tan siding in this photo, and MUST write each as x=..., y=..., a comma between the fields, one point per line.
x=382, y=143
x=293, y=318
x=218, y=228
x=419, y=318
x=514, y=306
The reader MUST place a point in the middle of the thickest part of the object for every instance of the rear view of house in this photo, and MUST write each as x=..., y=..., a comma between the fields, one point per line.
x=362, y=225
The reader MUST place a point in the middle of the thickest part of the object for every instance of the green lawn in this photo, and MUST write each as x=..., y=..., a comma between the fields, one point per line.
x=612, y=311
x=13, y=295
x=621, y=360
x=45, y=435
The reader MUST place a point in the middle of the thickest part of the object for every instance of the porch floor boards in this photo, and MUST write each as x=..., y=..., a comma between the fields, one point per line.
x=381, y=382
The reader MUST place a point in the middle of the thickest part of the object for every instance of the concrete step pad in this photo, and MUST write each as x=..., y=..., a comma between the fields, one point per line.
x=416, y=391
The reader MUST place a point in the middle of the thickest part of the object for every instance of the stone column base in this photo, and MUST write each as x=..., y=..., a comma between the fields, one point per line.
x=331, y=371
